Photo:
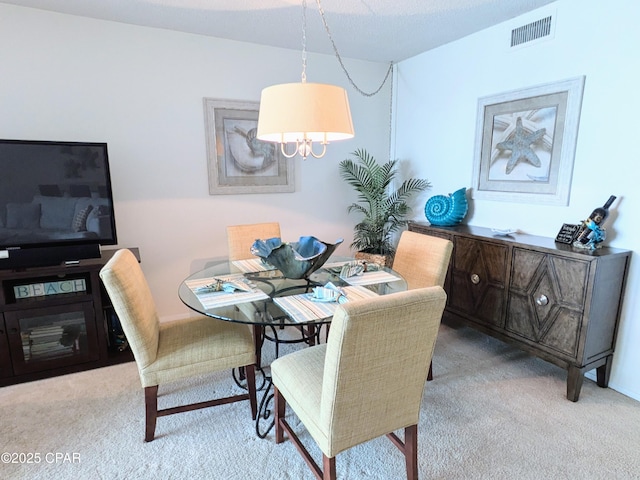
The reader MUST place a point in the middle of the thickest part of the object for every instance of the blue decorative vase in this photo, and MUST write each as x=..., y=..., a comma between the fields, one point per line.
x=296, y=259
x=447, y=210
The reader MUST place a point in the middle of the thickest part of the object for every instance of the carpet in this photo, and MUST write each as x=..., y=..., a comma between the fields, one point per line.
x=492, y=412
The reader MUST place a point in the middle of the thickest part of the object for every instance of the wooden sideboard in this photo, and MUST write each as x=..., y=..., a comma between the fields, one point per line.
x=552, y=300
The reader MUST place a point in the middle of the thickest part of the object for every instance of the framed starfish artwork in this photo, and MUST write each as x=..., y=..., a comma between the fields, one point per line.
x=525, y=143
x=237, y=161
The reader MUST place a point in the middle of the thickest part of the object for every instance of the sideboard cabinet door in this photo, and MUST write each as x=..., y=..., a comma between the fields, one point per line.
x=478, y=280
x=546, y=302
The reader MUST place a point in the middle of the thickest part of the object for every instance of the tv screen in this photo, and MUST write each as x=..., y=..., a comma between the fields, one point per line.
x=56, y=202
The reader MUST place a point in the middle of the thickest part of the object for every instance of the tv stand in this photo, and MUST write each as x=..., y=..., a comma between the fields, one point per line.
x=57, y=319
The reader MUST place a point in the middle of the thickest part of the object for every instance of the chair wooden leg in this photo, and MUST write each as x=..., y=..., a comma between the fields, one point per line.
x=430, y=374
x=258, y=340
x=250, y=371
x=280, y=405
x=328, y=468
x=151, y=403
x=310, y=332
x=411, y=451
x=282, y=427
x=151, y=412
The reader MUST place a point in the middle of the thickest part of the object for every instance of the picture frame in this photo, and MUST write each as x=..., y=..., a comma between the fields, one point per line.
x=525, y=143
x=238, y=163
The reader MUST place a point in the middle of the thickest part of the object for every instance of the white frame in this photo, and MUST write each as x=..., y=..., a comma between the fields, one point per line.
x=225, y=121
x=562, y=100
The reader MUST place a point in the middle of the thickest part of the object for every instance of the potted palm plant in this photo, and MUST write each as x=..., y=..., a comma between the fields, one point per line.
x=384, y=209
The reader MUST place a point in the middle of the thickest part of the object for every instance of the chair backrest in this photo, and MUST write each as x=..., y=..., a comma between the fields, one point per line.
x=241, y=237
x=376, y=364
x=133, y=303
x=422, y=260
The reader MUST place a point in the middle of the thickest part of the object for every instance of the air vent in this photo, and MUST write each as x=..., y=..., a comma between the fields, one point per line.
x=531, y=31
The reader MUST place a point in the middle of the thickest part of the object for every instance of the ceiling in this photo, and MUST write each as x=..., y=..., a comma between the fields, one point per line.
x=374, y=30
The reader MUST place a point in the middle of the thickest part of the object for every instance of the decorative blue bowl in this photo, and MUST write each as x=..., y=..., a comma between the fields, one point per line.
x=294, y=259
x=447, y=210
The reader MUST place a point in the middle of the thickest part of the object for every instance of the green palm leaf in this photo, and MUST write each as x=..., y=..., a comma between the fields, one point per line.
x=383, y=210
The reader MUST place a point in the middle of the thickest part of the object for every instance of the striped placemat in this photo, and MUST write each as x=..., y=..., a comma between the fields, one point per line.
x=301, y=309
x=370, y=278
x=223, y=299
x=335, y=264
x=251, y=265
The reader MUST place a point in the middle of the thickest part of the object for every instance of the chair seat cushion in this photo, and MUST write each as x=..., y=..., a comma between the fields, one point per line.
x=196, y=346
x=298, y=376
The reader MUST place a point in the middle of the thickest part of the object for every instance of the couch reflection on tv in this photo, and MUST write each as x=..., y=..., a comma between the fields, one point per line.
x=48, y=218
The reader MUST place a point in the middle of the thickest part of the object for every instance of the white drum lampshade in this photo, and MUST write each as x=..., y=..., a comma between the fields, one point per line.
x=303, y=113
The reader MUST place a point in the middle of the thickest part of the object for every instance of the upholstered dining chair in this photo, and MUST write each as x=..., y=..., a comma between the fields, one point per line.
x=168, y=351
x=423, y=261
x=366, y=381
x=241, y=237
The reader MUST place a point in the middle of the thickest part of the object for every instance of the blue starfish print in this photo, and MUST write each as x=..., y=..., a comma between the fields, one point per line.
x=520, y=146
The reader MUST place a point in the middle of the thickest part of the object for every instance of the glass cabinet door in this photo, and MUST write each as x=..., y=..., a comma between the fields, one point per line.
x=5, y=358
x=52, y=337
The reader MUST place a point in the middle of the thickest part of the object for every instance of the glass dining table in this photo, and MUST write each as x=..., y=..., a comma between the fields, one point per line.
x=254, y=293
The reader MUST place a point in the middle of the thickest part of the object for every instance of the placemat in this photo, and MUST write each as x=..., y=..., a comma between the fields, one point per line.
x=336, y=264
x=252, y=265
x=370, y=278
x=223, y=299
x=301, y=309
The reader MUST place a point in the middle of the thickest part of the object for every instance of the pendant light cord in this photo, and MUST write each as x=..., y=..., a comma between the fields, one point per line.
x=344, y=69
x=339, y=57
x=304, y=41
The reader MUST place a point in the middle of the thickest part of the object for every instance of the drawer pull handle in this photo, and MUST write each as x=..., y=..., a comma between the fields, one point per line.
x=475, y=279
x=542, y=300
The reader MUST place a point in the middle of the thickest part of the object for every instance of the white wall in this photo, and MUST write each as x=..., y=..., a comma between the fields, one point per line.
x=140, y=90
x=437, y=102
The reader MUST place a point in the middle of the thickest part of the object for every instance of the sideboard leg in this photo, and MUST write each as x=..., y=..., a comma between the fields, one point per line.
x=603, y=372
x=574, y=383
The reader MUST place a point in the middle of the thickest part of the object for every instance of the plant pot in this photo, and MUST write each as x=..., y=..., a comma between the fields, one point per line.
x=383, y=260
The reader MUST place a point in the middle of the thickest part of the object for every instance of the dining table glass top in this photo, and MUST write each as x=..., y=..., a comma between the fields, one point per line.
x=252, y=292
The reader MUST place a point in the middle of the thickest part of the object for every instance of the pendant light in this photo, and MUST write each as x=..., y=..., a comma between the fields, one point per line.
x=304, y=113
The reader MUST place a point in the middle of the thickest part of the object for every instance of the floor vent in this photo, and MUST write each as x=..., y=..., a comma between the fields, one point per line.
x=531, y=31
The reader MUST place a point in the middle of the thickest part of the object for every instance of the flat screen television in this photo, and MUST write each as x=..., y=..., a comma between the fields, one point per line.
x=56, y=203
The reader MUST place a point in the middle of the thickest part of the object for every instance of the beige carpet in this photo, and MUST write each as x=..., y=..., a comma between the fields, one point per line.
x=491, y=413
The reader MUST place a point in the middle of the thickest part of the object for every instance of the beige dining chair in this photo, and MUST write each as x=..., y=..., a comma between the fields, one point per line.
x=241, y=237
x=346, y=393
x=169, y=351
x=423, y=261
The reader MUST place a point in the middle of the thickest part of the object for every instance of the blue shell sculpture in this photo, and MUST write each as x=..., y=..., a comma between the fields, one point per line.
x=295, y=259
x=447, y=210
